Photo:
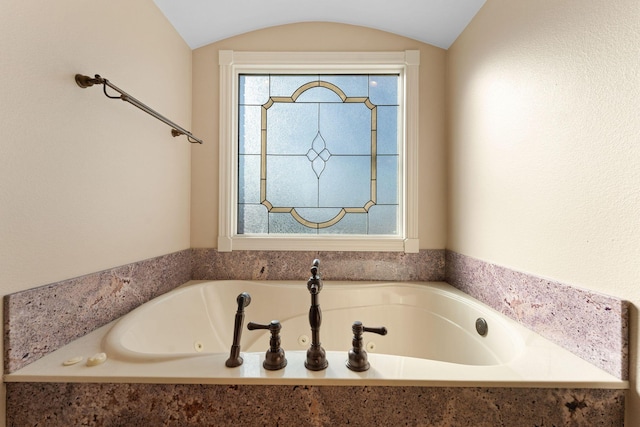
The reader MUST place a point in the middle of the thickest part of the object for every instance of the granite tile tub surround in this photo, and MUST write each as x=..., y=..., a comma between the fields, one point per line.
x=40, y=320
x=426, y=265
x=591, y=325
x=54, y=404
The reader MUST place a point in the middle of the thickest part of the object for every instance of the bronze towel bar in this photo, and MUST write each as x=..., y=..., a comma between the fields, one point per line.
x=86, y=81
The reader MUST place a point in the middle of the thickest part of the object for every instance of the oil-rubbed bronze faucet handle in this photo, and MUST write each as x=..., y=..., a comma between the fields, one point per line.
x=274, y=358
x=357, y=355
x=379, y=331
x=358, y=329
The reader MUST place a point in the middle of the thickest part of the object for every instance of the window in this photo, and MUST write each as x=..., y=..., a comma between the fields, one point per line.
x=318, y=154
x=318, y=151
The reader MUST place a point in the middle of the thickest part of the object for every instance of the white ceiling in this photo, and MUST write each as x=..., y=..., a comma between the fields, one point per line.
x=436, y=22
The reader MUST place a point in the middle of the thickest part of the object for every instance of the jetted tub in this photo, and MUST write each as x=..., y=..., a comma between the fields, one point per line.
x=427, y=322
x=185, y=336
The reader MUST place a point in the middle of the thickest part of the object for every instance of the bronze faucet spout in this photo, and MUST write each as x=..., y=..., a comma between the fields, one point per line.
x=316, y=356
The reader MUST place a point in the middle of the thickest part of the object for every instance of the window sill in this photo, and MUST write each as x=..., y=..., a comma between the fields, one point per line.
x=324, y=243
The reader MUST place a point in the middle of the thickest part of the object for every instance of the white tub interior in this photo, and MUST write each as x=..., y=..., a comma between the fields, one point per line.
x=428, y=321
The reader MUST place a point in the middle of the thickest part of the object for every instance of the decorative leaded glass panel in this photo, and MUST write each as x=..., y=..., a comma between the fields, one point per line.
x=318, y=154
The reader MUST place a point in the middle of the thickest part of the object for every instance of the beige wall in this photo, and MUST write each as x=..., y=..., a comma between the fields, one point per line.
x=319, y=37
x=544, y=144
x=88, y=183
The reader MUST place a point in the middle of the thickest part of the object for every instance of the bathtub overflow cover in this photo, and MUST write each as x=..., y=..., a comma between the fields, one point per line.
x=481, y=326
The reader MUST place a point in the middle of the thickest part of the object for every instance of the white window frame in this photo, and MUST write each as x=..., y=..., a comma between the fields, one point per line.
x=233, y=63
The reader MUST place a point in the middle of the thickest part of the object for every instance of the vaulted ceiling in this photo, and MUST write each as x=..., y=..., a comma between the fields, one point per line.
x=436, y=22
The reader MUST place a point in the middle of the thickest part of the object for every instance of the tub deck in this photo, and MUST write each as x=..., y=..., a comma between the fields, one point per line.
x=566, y=371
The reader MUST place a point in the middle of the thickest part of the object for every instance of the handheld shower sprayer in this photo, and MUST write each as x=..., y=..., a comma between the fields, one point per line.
x=234, y=360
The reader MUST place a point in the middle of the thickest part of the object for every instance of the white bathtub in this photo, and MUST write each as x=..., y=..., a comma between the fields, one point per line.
x=185, y=336
x=427, y=322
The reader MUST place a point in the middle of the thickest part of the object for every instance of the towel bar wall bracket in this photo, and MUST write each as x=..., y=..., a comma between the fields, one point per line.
x=86, y=81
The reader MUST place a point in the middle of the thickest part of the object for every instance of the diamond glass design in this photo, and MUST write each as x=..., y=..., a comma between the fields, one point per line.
x=318, y=155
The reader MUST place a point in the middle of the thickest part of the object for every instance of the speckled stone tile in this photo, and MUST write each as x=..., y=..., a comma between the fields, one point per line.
x=105, y=405
x=40, y=320
x=427, y=265
x=591, y=325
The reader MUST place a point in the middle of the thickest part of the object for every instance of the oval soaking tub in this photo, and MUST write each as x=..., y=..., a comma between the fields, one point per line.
x=185, y=336
x=431, y=321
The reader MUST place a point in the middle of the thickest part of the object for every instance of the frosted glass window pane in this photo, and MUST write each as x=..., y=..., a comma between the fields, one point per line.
x=383, y=219
x=284, y=223
x=352, y=86
x=252, y=219
x=387, y=179
x=387, y=130
x=350, y=224
x=346, y=128
x=346, y=182
x=287, y=85
x=318, y=154
x=249, y=133
x=254, y=90
x=291, y=128
x=291, y=182
x=383, y=90
x=249, y=179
